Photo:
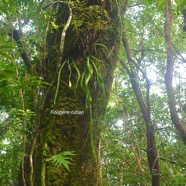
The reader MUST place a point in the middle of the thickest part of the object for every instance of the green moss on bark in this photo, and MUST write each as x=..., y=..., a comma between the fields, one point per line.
x=71, y=132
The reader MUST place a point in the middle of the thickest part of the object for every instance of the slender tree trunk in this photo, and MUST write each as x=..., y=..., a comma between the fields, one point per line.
x=180, y=126
x=81, y=56
x=152, y=152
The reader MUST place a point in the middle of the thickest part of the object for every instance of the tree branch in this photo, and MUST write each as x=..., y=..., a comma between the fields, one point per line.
x=178, y=52
x=152, y=152
x=162, y=158
x=16, y=36
x=180, y=126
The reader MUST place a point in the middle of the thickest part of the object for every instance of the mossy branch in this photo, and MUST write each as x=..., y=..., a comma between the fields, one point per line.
x=62, y=42
x=61, y=48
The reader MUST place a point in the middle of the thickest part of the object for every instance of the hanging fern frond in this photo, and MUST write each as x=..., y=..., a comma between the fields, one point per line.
x=98, y=74
x=70, y=73
x=78, y=73
x=58, y=82
x=88, y=75
x=85, y=78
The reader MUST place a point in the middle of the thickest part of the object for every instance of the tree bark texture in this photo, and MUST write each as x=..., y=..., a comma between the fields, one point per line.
x=80, y=82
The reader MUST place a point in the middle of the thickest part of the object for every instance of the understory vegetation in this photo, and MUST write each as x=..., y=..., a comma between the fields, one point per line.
x=92, y=92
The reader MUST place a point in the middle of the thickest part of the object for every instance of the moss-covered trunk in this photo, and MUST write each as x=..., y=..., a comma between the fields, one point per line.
x=69, y=119
x=66, y=127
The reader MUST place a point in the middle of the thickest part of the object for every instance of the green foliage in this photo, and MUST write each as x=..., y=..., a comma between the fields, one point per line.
x=161, y=3
x=84, y=79
x=181, y=4
x=54, y=25
x=58, y=81
x=62, y=159
x=124, y=160
x=91, y=64
x=124, y=132
x=78, y=73
x=10, y=146
x=86, y=76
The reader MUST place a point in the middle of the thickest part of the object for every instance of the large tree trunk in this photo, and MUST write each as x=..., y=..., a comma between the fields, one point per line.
x=87, y=60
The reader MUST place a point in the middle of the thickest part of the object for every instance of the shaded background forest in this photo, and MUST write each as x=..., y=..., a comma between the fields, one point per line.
x=135, y=110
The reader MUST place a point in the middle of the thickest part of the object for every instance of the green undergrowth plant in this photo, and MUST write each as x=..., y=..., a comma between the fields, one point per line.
x=62, y=159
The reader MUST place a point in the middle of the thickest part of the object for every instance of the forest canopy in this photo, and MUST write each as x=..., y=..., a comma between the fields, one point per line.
x=92, y=92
